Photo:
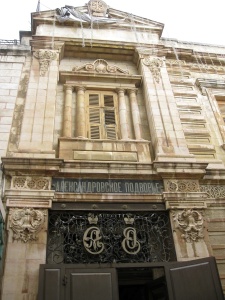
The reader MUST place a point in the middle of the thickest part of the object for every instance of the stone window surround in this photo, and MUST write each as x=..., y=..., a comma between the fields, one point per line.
x=80, y=88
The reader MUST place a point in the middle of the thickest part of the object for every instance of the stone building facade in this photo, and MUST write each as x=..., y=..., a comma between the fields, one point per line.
x=106, y=125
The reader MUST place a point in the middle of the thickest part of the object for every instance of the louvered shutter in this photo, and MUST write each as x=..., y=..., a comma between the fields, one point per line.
x=94, y=116
x=102, y=116
x=110, y=120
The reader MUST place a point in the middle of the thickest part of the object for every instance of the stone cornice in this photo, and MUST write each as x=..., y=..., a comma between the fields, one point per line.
x=210, y=84
x=168, y=169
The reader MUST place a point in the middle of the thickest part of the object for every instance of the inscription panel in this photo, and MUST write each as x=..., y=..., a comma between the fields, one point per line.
x=70, y=185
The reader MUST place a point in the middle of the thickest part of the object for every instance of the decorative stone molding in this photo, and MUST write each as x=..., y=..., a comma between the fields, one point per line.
x=97, y=8
x=31, y=183
x=26, y=223
x=100, y=66
x=154, y=64
x=181, y=185
x=190, y=223
x=202, y=67
x=213, y=191
x=44, y=57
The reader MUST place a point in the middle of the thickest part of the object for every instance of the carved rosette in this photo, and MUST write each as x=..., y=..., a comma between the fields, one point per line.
x=100, y=66
x=190, y=223
x=183, y=186
x=26, y=223
x=31, y=183
x=154, y=64
x=45, y=57
x=97, y=8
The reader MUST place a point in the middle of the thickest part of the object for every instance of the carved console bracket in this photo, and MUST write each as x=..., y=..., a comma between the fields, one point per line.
x=100, y=66
x=45, y=57
x=190, y=223
x=154, y=64
x=26, y=223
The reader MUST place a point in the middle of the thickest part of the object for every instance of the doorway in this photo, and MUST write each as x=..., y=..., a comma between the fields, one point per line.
x=196, y=280
x=142, y=284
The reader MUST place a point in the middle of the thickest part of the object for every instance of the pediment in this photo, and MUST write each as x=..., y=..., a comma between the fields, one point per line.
x=84, y=16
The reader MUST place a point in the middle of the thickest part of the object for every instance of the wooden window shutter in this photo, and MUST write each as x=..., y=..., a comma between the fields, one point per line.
x=110, y=118
x=94, y=116
x=102, y=115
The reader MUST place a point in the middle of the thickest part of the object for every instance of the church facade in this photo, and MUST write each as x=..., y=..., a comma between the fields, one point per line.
x=112, y=160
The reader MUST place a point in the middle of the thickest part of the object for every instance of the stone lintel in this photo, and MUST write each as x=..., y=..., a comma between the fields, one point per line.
x=27, y=198
x=185, y=200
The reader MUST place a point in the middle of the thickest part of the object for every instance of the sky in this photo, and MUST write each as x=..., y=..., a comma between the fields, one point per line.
x=194, y=21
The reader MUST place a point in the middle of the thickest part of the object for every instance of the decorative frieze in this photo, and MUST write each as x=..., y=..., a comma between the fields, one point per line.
x=182, y=186
x=190, y=223
x=45, y=57
x=100, y=66
x=26, y=223
x=213, y=191
x=154, y=64
x=31, y=183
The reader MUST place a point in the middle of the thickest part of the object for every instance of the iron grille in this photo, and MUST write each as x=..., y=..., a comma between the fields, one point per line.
x=105, y=237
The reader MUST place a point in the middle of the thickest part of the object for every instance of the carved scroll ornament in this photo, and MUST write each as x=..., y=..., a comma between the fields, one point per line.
x=190, y=223
x=100, y=66
x=26, y=223
x=44, y=57
x=154, y=64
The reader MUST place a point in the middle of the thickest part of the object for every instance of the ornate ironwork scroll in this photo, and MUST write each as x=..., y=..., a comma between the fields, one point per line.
x=106, y=237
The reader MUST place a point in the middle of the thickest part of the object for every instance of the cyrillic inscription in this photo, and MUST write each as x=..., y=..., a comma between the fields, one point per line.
x=69, y=185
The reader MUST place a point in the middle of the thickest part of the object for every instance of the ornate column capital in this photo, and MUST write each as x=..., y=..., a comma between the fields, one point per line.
x=68, y=87
x=79, y=88
x=154, y=63
x=120, y=90
x=26, y=223
x=45, y=57
x=132, y=91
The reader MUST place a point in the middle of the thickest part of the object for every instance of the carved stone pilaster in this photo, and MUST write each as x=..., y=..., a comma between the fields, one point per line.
x=26, y=223
x=154, y=64
x=44, y=57
x=190, y=223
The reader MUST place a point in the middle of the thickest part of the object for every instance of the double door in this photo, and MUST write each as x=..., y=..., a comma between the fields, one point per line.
x=195, y=280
